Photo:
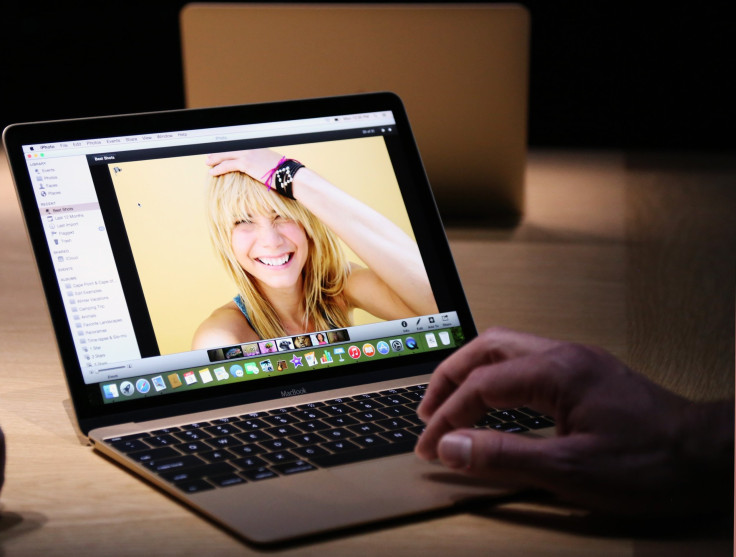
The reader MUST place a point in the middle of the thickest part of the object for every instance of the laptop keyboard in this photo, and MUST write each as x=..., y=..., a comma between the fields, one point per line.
x=262, y=445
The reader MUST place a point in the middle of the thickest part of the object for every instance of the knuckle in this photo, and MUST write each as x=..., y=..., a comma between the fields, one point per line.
x=577, y=360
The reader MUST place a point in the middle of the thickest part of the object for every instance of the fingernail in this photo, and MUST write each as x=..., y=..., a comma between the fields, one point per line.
x=455, y=449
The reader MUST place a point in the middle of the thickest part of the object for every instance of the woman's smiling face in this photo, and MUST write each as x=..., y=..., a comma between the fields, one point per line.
x=272, y=249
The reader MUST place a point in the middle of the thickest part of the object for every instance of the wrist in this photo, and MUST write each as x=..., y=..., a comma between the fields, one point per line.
x=281, y=177
x=707, y=452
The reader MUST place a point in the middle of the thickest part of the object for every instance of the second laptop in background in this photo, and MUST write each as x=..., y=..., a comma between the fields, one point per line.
x=462, y=71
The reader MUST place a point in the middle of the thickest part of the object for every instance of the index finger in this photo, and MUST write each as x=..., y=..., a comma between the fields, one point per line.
x=493, y=346
x=222, y=163
x=531, y=380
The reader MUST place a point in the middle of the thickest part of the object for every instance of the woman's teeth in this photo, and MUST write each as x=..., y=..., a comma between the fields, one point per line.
x=275, y=261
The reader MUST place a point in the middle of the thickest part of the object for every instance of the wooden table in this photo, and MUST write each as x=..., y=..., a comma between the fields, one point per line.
x=631, y=252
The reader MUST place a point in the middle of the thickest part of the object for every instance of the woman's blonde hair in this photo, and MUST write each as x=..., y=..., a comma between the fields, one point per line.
x=234, y=197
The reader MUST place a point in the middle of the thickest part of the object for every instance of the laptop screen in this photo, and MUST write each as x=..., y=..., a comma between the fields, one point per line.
x=195, y=261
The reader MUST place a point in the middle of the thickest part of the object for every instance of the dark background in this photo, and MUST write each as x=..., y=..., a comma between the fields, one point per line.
x=603, y=74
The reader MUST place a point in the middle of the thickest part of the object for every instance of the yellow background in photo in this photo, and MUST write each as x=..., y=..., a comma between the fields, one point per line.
x=163, y=205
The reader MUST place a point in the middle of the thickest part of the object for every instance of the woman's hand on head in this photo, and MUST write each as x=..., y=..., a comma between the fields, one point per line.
x=254, y=162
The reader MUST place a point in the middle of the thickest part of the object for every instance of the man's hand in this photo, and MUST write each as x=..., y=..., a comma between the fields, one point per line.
x=623, y=444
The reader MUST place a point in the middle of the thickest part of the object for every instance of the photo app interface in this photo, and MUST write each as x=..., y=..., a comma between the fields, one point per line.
x=201, y=258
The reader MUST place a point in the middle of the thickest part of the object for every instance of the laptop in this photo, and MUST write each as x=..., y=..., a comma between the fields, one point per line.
x=272, y=437
x=461, y=70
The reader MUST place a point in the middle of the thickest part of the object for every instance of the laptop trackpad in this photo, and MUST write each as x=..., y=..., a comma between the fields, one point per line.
x=339, y=497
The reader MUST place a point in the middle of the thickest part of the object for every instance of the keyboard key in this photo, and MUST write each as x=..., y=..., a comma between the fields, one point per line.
x=510, y=427
x=309, y=414
x=392, y=400
x=226, y=480
x=393, y=391
x=366, y=396
x=249, y=462
x=535, y=423
x=215, y=456
x=288, y=410
x=165, y=431
x=295, y=467
x=304, y=439
x=340, y=446
x=398, y=435
x=127, y=445
x=339, y=433
x=310, y=405
x=312, y=427
x=309, y=452
x=223, y=442
x=162, y=440
x=197, y=472
x=247, y=450
x=416, y=430
x=414, y=396
x=339, y=421
x=196, y=425
x=192, y=435
x=282, y=431
x=220, y=421
x=257, y=474
x=337, y=409
x=364, y=405
x=174, y=463
x=368, y=416
x=395, y=411
x=280, y=419
x=193, y=448
x=251, y=424
x=507, y=415
x=365, y=429
x=154, y=454
x=341, y=400
x=279, y=456
x=222, y=429
x=488, y=421
x=194, y=486
x=394, y=423
x=277, y=444
x=369, y=441
x=414, y=419
x=253, y=436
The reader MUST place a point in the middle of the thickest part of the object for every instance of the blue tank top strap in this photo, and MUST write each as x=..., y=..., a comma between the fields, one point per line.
x=241, y=306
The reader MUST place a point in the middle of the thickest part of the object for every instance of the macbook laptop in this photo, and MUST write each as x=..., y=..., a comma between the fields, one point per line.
x=173, y=366
x=461, y=70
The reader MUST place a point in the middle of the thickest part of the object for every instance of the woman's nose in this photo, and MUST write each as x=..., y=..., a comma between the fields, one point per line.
x=269, y=236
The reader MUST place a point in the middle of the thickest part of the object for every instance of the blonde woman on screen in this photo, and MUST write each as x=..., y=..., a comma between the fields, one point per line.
x=276, y=225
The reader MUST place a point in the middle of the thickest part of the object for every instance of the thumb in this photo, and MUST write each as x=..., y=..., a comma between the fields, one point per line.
x=497, y=455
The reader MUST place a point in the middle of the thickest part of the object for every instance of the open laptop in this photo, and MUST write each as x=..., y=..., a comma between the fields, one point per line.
x=274, y=438
x=461, y=70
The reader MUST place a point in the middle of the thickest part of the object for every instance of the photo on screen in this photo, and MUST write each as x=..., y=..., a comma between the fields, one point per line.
x=164, y=203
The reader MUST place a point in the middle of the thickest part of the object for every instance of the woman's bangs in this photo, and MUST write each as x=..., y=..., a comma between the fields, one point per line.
x=250, y=197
